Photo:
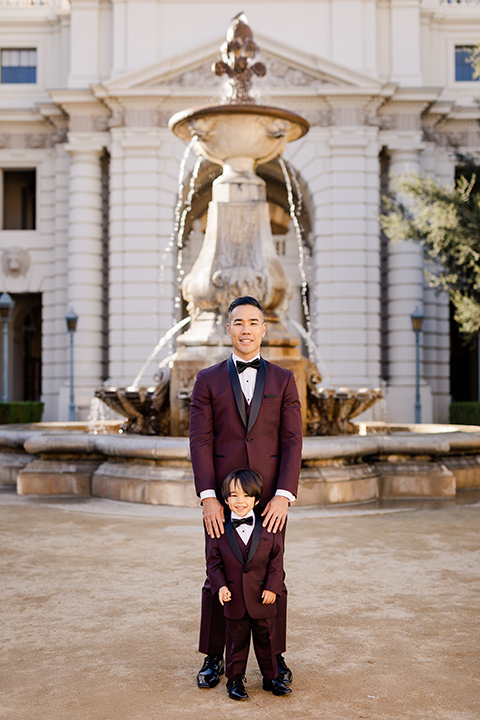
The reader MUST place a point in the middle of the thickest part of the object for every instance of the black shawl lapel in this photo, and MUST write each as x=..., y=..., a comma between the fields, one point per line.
x=237, y=390
x=257, y=395
x=233, y=542
x=257, y=531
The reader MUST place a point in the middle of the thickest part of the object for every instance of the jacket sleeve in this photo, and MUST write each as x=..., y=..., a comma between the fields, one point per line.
x=201, y=436
x=215, y=565
x=290, y=439
x=275, y=574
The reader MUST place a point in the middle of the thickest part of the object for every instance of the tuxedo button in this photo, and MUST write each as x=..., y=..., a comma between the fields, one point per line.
x=249, y=439
x=245, y=570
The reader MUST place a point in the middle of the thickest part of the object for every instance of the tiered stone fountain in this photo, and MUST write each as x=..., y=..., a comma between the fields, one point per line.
x=238, y=258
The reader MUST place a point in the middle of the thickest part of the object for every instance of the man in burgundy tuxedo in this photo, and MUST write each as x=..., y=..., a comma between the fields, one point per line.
x=245, y=412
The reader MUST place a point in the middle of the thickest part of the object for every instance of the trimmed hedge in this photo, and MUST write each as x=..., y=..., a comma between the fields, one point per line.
x=20, y=412
x=465, y=413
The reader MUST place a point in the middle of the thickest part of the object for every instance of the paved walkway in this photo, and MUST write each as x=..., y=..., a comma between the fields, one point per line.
x=100, y=612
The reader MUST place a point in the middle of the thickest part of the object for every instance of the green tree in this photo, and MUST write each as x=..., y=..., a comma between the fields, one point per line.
x=446, y=222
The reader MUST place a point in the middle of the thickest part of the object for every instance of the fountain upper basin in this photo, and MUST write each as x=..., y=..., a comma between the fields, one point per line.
x=226, y=132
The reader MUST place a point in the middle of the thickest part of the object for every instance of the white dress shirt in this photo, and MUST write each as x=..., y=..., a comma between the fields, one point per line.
x=247, y=378
x=244, y=531
x=247, y=382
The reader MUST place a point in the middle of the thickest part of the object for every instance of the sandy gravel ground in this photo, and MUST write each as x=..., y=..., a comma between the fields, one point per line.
x=100, y=611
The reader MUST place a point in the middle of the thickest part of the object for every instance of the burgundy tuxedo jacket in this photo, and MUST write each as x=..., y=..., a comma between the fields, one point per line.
x=246, y=579
x=223, y=438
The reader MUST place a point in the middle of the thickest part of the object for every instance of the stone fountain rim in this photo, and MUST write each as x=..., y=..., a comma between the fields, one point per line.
x=442, y=440
x=177, y=121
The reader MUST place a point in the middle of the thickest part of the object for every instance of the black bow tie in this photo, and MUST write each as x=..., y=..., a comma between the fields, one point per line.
x=255, y=364
x=242, y=521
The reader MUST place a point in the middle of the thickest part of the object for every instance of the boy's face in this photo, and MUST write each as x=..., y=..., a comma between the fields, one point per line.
x=246, y=328
x=238, y=502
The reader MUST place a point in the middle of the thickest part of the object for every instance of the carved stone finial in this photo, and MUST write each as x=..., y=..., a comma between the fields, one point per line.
x=237, y=54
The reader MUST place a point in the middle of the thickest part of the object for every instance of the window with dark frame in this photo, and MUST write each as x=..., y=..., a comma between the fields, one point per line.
x=19, y=66
x=463, y=65
x=19, y=199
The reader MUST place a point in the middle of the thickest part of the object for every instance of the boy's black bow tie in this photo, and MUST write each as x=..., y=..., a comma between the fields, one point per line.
x=255, y=364
x=246, y=521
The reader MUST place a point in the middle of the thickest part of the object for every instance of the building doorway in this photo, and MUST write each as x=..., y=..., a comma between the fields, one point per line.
x=25, y=348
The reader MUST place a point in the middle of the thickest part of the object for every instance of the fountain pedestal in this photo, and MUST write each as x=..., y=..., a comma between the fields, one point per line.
x=238, y=256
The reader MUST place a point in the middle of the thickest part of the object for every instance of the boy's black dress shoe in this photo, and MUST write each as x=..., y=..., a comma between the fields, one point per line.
x=209, y=675
x=236, y=689
x=284, y=672
x=276, y=686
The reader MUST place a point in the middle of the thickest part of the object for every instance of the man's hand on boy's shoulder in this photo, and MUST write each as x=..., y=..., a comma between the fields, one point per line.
x=275, y=513
x=213, y=517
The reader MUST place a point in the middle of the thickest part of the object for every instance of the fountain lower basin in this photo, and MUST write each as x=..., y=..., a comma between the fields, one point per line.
x=385, y=461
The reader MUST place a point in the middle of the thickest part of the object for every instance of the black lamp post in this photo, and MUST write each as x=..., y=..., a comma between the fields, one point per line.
x=417, y=320
x=71, y=319
x=6, y=309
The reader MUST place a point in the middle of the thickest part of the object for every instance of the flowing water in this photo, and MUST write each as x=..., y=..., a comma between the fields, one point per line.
x=180, y=220
x=161, y=344
x=98, y=416
x=294, y=214
x=313, y=351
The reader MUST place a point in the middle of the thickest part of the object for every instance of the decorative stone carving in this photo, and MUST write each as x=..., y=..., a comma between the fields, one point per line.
x=281, y=74
x=100, y=124
x=318, y=118
x=238, y=281
x=199, y=77
x=59, y=136
x=15, y=262
x=35, y=141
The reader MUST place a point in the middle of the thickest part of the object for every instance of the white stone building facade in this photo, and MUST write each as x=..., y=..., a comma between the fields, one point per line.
x=89, y=172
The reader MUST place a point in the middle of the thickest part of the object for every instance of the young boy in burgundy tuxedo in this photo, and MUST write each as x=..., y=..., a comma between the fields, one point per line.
x=244, y=413
x=245, y=568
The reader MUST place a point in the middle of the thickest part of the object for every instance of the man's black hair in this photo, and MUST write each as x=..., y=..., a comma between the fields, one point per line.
x=250, y=482
x=245, y=300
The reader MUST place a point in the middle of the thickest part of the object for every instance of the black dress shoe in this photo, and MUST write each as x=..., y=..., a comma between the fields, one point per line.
x=209, y=675
x=276, y=686
x=236, y=689
x=284, y=672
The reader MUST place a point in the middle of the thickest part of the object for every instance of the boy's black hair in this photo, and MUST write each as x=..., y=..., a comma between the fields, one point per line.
x=245, y=300
x=250, y=482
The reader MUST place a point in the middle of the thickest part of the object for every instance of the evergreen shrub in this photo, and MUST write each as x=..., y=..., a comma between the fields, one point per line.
x=465, y=413
x=26, y=411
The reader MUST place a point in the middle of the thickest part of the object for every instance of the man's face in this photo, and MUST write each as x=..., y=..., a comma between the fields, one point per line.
x=246, y=328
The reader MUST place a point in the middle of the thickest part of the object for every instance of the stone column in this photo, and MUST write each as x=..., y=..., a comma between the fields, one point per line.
x=405, y=293
x=142, y=288
x=345, y=306
x=84, y=270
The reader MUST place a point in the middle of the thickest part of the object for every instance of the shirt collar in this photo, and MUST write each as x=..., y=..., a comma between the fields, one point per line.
x=235, y=358
x=234, y=515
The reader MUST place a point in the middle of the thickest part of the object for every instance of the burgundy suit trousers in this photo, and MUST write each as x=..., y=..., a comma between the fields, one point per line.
x=237, y=645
